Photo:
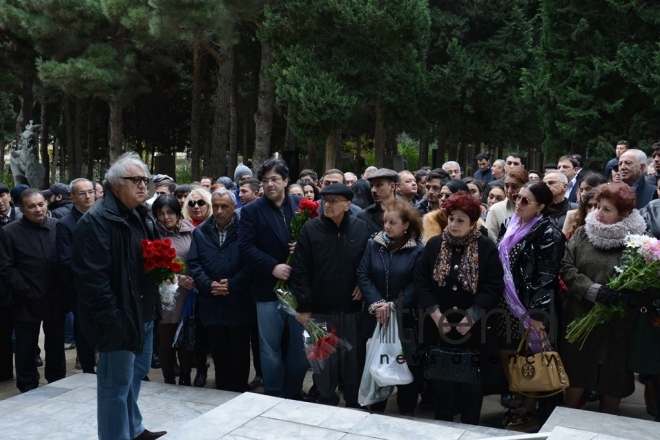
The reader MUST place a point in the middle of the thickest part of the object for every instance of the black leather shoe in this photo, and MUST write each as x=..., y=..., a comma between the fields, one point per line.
x=38, y=361
x=148, y=435
x=200, y=378
x=256, y=383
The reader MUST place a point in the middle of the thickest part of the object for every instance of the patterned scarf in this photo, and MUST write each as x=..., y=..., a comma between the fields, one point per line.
x=468, y=269
x=514, y=234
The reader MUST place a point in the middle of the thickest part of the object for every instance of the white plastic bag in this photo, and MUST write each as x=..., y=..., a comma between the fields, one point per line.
x=388, y=366
x=370, y=392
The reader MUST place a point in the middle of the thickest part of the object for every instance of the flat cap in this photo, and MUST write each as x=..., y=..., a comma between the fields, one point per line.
x=160, y=177
x=59, y=189
x=338, y=189
x=384, y=173
x=3, y=188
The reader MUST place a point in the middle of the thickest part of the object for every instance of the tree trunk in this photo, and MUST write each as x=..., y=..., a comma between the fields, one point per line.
x=56, y=149
x=390, y=147
x=264, y=116
x=312, y=154
x=423, y=151
x=78, y=138
x=358, y=157
x=88, y=156
x=379, y=139
x=338, y=151
x=233, y=133
x=330, y=152
x=196, y=114
x=246, y=120
x=27, y=102
x=289, y=139
x=115, y=129
x=220, y=142
x=45, y=159
x=68, y=153
x=442, y=144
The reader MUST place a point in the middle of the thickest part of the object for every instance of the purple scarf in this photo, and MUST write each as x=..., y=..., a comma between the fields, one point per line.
x=514, y=234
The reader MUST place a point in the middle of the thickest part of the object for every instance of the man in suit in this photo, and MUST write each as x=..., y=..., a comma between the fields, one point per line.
x=264, y=241
x=569, y=167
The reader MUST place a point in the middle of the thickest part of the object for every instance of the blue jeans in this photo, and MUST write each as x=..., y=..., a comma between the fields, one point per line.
x=69, y=337
x=119, y=377
x=281, y=378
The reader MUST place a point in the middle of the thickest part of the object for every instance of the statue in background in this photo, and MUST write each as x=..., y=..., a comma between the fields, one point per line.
x=24, y=160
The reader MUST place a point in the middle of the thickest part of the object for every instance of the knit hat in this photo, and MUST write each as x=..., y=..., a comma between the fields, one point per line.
x=241, y=171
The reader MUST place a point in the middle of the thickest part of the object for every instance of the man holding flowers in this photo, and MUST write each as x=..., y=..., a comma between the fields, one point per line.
x=117, y=298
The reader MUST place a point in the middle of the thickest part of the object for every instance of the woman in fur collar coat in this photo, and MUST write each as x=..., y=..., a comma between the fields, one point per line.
x=588, y=263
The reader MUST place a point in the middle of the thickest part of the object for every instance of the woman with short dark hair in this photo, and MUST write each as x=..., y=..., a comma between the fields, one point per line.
x=460, y=270
x=170, y=223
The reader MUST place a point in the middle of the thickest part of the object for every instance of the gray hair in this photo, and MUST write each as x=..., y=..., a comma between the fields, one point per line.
x=640, y=156
x=562, y=177
x=224, y=192
x=501, y=162
x=451, y=162
x=117, y=170
x=368, y=171
x=74, y=182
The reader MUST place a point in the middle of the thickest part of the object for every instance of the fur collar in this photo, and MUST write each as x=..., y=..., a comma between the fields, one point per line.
x=612, y=236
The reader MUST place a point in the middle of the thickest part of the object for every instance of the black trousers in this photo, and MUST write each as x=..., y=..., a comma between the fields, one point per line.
x=469, y=398
x=84, y=350
x=6, y=347
x=168, y=354
x=27, y=337
x=230, y=349
x=254, y=344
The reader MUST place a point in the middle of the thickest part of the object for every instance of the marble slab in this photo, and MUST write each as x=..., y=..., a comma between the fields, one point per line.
x=605, y=424
x=262, y=428
x=392, y=428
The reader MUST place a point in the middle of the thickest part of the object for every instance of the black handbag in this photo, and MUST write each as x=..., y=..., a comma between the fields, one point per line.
x=453, y=365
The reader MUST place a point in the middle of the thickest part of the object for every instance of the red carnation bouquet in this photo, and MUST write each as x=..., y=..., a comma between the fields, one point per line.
x=306, y=211
x=161, y=263
x=320, y=344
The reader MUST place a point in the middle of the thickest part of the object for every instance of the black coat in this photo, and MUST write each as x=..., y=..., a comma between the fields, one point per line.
x=645, y=192
x=28, y=269
x=387, y=276
x=208, y=261
x=60, y=208
x=535, y=267
x=373, y=217
x=264, y=233
x=65, y=227
x=325, y=264
x=115, y=296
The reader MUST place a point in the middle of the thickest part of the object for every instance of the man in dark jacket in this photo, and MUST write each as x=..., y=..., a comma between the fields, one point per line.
x=28, y=269
x=383, y=186
x=117, y=300
x=222, y=279
x=7, y=214
x=632, y=168
x=59, y=200
x=82, y=195
x=324, y=281
x=264, y=240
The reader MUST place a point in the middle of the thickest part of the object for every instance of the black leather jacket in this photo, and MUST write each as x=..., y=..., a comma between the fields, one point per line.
x=651, y=215
x=535, y=267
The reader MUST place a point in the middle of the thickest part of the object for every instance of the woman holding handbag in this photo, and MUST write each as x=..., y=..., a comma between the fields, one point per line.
x=458, y=280
x=385, y=277
x=529, y=250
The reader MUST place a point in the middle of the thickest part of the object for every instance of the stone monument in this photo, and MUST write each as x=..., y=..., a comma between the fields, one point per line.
x=24, y=160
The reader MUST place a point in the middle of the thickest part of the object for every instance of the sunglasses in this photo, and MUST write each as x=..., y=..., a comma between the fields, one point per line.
x=199, y=203
x=524, y=201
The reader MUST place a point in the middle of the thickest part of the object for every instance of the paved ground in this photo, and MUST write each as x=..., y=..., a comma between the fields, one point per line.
x=632, y=406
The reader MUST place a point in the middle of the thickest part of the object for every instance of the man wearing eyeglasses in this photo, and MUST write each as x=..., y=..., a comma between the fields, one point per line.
x=558, y=184
x=117, y=300
x=264, y=241
x=82, y=195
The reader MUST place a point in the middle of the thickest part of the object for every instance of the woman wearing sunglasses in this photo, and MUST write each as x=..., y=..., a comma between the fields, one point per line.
x=529, y=251
x=197, y=207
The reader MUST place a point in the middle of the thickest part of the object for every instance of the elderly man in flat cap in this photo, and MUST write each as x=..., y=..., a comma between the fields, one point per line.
x=324, y=281
x=383, y=189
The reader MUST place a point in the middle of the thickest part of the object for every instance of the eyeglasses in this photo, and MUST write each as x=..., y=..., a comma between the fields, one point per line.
x=524, y=201
x=271, y=180
x=199, y=203
x=137, y=179
x=91, y=192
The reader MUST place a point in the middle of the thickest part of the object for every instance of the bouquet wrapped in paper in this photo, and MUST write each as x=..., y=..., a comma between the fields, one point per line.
x=638, y=271
x=162, y=264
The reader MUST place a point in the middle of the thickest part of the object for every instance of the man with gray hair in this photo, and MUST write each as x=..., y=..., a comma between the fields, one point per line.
x=82, y=195
x=632, y=168
x=226, y=308
x=453, y=169
x=117, y=300
x=557, y=182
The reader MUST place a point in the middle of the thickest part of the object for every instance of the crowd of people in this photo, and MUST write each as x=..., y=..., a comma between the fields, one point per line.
x=464, y=262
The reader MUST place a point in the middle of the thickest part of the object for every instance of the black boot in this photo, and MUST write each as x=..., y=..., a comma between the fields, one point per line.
x=170, y=380
x=200, y=377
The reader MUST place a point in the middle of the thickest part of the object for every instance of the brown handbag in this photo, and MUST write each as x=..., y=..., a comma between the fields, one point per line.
x=538, y=375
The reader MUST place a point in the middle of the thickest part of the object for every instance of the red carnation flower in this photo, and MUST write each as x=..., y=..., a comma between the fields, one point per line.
x=148, y=265
x=167, y=242
x=176, y=267
x=145, y=243
x=170, y=253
